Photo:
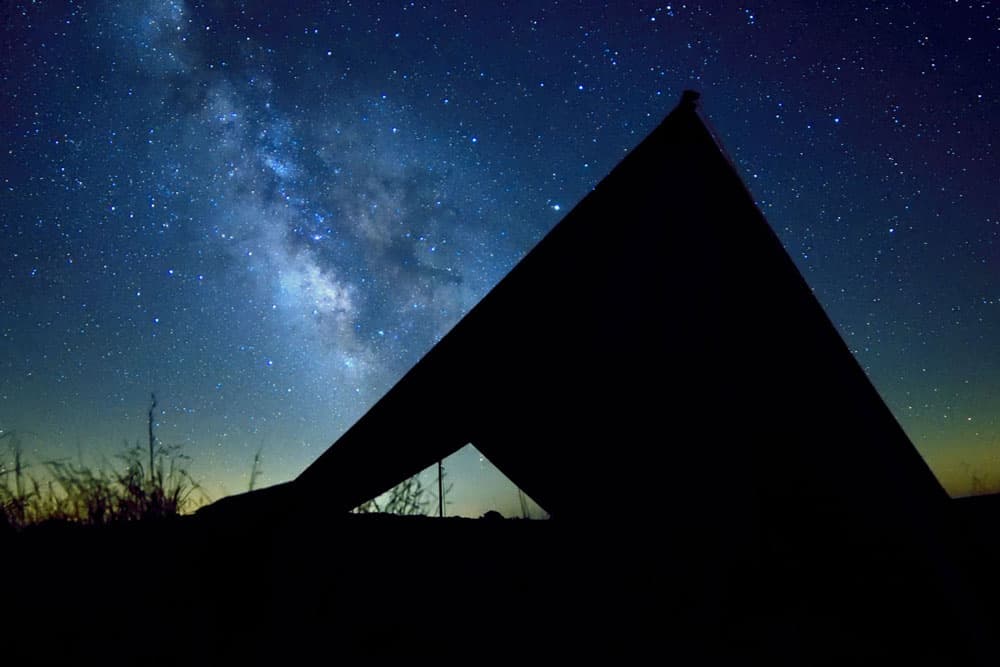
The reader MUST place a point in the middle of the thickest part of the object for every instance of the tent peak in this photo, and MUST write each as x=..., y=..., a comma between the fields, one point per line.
x=689, y=100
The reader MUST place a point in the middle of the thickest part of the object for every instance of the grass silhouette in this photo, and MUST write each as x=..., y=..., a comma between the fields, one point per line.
x=408, y=498
x=144, y=483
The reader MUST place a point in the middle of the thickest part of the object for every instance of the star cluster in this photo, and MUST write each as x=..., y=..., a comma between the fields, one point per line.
x=266, y=214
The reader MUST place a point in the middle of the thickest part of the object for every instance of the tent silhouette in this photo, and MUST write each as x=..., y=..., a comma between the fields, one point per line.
x=657, y=372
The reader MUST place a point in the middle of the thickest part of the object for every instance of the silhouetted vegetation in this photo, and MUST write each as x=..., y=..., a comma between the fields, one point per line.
x=409, y=497
x=150, y=482
x=523, y=502
x=255, y=470
x=13, y=494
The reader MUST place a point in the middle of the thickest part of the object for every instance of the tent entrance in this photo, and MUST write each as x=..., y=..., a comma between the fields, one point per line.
x=471, y=485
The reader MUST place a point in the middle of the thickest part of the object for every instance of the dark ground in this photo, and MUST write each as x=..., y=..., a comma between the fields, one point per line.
x=192, y=591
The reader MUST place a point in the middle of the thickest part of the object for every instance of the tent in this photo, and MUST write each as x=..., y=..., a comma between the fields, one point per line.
x=657, y=372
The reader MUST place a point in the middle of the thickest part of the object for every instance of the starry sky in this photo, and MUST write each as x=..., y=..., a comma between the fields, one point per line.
x=268, y=214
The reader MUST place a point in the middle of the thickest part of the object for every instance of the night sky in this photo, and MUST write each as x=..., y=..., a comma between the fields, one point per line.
x=267, y=215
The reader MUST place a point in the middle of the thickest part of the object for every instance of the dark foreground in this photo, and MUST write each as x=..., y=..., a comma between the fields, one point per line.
x=193, y=591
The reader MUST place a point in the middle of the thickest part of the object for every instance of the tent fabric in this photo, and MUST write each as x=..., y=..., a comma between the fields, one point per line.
x=658, y=369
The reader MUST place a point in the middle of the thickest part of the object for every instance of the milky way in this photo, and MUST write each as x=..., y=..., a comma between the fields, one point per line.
x=267, y=215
